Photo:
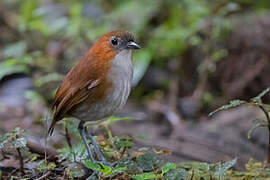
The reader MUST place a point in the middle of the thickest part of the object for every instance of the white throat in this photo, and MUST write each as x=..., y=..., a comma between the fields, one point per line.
x=120, y=75
x=122, y=65
x=123, y=59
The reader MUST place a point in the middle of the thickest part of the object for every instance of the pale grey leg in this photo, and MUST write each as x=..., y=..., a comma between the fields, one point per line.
x=96, y=148
x=88, y=148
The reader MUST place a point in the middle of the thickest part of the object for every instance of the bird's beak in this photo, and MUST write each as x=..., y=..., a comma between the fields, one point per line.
x=133, y=45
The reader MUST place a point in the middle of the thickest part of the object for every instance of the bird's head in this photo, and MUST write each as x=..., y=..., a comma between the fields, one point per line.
x=112, y=43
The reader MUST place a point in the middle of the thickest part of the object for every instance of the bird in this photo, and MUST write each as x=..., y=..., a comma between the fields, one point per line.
x=97, y=86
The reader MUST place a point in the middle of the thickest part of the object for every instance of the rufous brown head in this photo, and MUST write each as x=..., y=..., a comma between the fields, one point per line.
x=112, y=43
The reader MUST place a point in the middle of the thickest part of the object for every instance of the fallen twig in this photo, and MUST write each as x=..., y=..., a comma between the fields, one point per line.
x=268, y=125
x=39, y=149
x=20, y=159
x=44, y=175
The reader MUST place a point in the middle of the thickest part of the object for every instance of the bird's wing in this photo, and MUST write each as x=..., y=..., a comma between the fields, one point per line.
x=68, y=95
x=87, y=78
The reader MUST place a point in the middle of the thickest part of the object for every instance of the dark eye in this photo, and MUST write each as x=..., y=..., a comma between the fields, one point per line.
x=114, y=41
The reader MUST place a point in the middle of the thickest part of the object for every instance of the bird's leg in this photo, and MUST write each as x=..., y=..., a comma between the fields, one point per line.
x=96, y=149
x=82, y=133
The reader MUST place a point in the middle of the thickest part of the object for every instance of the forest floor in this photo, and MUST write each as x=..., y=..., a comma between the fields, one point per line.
x=220, y=138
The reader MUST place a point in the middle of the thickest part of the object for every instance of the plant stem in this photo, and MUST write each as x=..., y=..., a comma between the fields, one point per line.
x=20, y=159
x=268, y=125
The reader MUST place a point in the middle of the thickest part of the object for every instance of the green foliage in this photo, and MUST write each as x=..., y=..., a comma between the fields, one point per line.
x=165, y=30
x=222, y=168
x=167, y=167
x=12, y=66
x=232, y=104
x=34, y=98
x=15, y=50
x=44, y=166
x=174, y=174
x=255, y=102
x=254, y=171
x=208, y=171
x=148, y=161
x=77, y=153
x=113, y=119
x=13, y=139
x=52, y=77
x=106, y=170
x=122, y=142
x=143, y=166
x=144, y=176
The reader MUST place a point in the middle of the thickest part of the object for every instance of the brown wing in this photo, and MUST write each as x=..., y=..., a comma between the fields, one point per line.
x=82, y=80
x=73, y=96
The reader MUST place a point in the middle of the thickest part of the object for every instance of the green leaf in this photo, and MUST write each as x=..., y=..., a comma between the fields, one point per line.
x=118, y=170
x=114, y=119
x=20, y=142
x=233, y=104
x=131, y=165
x=221, y=169
x=12, y=66
x=13, y=139
x=168, y=166
x=17, y=49
x=34, y=98
x=106, y=170
x=94, y=166
x=144, y=176
x=27, y=9
x=45, y=166
x=219, y=54
x=176, y=174
x=123, y=141
x=48, y=78
x=148, y=161
x=78, y=151
x=229, y=164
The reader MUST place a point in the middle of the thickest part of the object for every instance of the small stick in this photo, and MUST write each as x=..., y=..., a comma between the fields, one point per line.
x=123, y=152
x=46, y=141
x=268, y=124
x=20, y=159
x=67, y=136
x=44, y=176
